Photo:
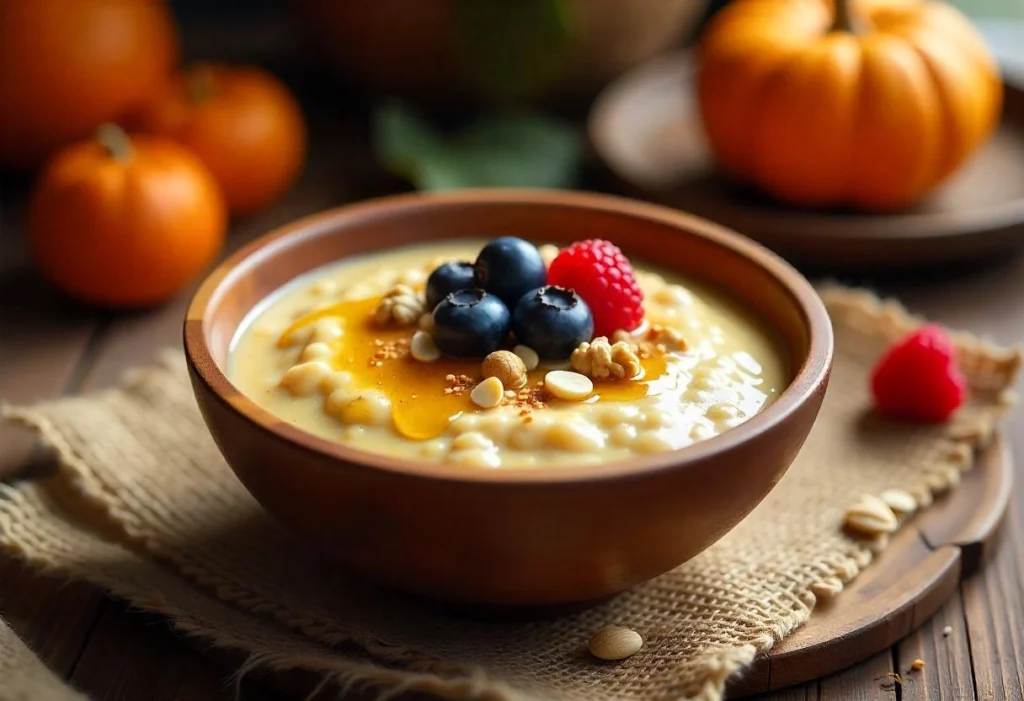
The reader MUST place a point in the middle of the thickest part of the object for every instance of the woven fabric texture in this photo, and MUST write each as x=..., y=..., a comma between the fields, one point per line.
x=145, y=506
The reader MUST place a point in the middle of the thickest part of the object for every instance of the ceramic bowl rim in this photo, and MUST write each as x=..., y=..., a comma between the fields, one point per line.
x=809, y=377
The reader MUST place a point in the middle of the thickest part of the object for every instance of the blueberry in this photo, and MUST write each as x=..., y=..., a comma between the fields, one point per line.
x=552, y=321
x=447, y=278
x=509, y=267
x=470, y=324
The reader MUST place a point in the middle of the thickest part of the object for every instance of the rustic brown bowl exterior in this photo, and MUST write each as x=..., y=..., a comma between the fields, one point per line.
x=509, y=536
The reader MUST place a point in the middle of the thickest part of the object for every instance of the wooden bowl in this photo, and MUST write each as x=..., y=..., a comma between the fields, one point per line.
x=509, y=536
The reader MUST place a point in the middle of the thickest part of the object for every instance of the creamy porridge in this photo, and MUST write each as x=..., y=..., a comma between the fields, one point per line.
x=351, y=352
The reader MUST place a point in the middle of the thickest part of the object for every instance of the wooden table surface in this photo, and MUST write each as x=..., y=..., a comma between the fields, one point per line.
x=50, y=347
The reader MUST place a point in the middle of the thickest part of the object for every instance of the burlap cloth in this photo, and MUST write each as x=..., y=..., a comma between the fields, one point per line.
x=145, y=507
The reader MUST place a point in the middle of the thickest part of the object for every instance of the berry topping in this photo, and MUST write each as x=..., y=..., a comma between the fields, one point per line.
x=917, y=378
x=599, y=273
x=470, y=324
x=552, y=321
x=447, y=278
x=509, y=267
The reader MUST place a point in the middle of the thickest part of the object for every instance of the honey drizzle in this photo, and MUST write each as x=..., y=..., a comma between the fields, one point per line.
x=421, y=409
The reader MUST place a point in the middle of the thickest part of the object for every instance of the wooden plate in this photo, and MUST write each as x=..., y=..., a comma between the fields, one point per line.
x=646, y=129
x=901, y=589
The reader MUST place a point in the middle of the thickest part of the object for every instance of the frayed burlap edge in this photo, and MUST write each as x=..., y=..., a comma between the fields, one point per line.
x=858, y=309
x=241, y=635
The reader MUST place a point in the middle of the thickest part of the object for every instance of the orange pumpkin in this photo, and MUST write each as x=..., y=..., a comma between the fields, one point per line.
x=867, y=104
x=242, y=122
x=66, y=67
x=125, y=222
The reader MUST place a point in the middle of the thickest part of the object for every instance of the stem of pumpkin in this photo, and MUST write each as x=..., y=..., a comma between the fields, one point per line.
x=199, y=83
x=846, y=19
x=116, y=141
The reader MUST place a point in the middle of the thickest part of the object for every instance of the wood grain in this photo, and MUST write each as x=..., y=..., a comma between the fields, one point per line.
x=994, y=613
x=947, y=673
x=868, y=681
x=156, y=666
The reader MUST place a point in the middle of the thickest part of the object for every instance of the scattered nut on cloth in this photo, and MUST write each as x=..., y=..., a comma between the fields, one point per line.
x=615, y=643
x=231, y=577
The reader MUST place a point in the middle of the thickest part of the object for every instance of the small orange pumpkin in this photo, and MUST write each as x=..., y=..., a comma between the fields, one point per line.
x=241, y=121
x=125, y=222
x=867, y=104
x=67, y=67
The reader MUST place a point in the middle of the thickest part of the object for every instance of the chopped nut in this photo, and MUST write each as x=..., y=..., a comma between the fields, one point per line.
x=570, y=386
x=600, y=359
x=507, y=367
x=901, y=502
x=528, y=355
x=388, y=350
x=870, y=516
x=458, y=384
x=423, y=348
x=917, y=665
x=615, y=643
x=530, y=398
x=488, y=394
x=400, y=305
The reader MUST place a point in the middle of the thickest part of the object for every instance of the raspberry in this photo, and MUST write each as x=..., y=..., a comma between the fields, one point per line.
x=917, y=378
x=600, y=274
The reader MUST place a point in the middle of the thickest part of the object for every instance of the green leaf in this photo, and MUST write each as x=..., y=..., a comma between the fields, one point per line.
x=513, y=48
x=511, y=149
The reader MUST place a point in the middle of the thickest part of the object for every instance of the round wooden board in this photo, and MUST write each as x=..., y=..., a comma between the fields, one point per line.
x=901, y=589
x=646, y=129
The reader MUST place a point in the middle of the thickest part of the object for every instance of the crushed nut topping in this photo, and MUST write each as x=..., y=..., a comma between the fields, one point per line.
x=600, y=359
x=400, y=305
x=388, y=350
x=458, y=384
x=530, y=398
